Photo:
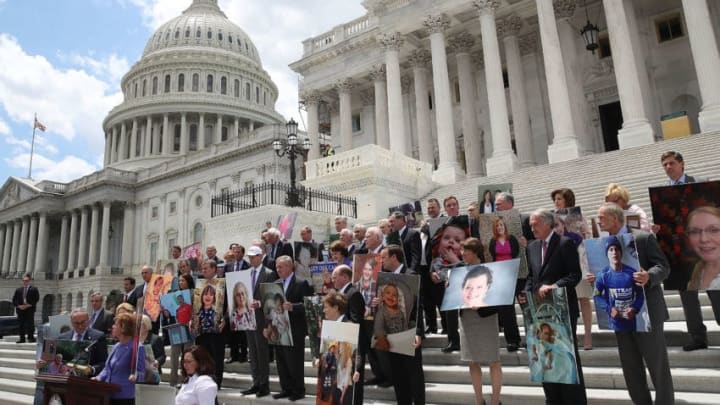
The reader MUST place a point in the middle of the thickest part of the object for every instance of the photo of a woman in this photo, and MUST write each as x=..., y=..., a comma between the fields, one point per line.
x=487, y=206
x=242, y=317
x=204, y=321
x=503, y=245
x=277, y=327
x=367, y=281
x=475, y=287
x=390, y=317
x=703, y=233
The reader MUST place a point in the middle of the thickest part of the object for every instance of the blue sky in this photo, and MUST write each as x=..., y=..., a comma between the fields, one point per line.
x=64, y=60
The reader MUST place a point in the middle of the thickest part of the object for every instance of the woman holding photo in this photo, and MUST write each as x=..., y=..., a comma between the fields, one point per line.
x=480, y=334
x=182, y=316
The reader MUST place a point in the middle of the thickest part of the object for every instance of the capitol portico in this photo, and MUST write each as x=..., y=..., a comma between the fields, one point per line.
x=488, y=86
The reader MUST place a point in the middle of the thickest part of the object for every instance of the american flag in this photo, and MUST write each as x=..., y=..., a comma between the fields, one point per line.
x=39, y=125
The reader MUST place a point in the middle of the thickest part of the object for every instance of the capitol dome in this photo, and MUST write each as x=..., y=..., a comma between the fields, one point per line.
x=199, y=83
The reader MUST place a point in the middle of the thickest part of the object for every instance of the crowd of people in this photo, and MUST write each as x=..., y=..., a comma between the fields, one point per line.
x=553, y=261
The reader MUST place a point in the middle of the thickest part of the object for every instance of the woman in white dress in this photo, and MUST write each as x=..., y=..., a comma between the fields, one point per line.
x=198, y=387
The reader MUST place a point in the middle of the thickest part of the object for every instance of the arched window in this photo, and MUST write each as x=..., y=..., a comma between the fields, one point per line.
x=135, y=91
x=237, y=88
x=198, y=232
x=155, y=86
x=193, y=137
x=176, y=138
x=187, y=33
x=167, y=84
x=209, y=83
x=198, y=34
x=224, y=134
x=264, y=97
x=195, y=82
x=257, y=95
x=181, y=82
x=247, y=91
x=223, y=85
x=219, y=36
x=177, y=34
x=230, y=38
x=144, y=88
x=209, y=34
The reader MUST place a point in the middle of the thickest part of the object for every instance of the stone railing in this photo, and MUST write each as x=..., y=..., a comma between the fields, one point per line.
x=367, y=156
x=107, y=174
x=50, y=186
x=338, y=34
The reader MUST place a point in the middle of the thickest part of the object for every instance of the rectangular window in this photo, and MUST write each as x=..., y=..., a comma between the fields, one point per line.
x=172, y=207
x=604, y=49
x=249, y=184
x=154, y=212
x=224, y=134
x=153, y=252
x=171, y=243
x=356, y=123
x=669, y=28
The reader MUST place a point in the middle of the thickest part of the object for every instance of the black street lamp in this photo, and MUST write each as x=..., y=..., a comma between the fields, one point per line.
x=292, y=150
x=590, y=34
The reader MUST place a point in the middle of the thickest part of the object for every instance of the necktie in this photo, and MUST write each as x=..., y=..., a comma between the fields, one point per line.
x=252, y=275
x=25, y=290
x=77, y=337
x=544, y=251
x=125, y=297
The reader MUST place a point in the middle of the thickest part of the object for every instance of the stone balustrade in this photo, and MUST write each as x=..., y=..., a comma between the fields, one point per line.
x=338, y=34
x=367, y=156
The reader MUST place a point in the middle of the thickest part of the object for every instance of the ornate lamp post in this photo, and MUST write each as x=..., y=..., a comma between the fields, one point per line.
x=590, y=34
x=292, y=150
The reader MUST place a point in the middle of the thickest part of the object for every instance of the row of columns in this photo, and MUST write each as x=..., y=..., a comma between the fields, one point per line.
x=79, y=245
x=156, y=137
x=24, y=243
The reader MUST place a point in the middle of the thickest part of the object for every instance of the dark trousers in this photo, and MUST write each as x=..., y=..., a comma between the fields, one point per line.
x=410, y=387
x=379, y=360
x=237, y=341
x=26, y=319
x=214, y=343
x=291, y=366
x=508, y=321
x=429, y=295
x=451, y=323
x=693, y=313
x=568, y=394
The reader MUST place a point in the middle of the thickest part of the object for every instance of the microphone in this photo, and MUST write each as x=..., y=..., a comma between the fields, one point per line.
x=87, y=349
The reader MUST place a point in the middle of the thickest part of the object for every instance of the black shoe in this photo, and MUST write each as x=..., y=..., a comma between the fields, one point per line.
x=230, y=360
x=431, y=330
x=512, y=347
x=21, y=341
x=263, y=391
x=295, y=397
x=451, y=347
x=281, y=394
x=384, y=384
x=695, y=346
x=252, y=390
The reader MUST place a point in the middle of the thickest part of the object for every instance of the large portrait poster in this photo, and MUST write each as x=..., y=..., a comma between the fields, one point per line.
x=178, y=304
x=446, y=244
x=366, y=268
x=487, y=194
x=689, y=233
x=412, y=210
x=550, y=346
x=321, y=274
x=277, y=321
x=481, y=285
x=306, y=254
x=396, y=314
x=286, y=224
x=314, y=316
x=159, y=285
x=208, y=301
x=500, y=234
x=337, y=363
x=194, y=255
x=240, y=293
x=619, y=303
x=59, y=352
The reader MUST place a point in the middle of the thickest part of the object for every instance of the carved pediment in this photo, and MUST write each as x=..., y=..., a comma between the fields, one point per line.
x=15, y=191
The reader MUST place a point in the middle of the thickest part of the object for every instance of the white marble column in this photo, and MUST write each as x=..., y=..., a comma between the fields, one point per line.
x=236, y=128
x=3, y=232
x=32, y=245
x=378, y=77
x=312, y=100
x=218, y=129
x=104, y=265
x=706, y=59
x=83, y=244
x=636, y=129
x=184, y=137
x=156, y=138
x=15, y=247
x=392, y=42
x=565, y=145
x=94, y=222
x=419, y=60
x=7, y=248
x=344, y=88
x=448, y=171
x=42, y=245
x=503, y=160
x=201, y=132
x=23, y=249
x=114, y=145
x=148, y=136
x=167, y=136
x=63, y=251
x=461, y=44
x=508, y=29
x=122, y=149
x=128, y=227
x=73, y=242
x=108, y=150
x=133, y=139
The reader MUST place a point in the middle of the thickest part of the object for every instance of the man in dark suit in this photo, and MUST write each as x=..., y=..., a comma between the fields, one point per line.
x=275, y=246
x=25, y=301
x=650, y=347
x=355, y=313
x=257, y=343
x=290, y=359
x=409, y=383
x=96, y=354
x=146, y=272
x=553, y=262
x=431, y=291
x=129, y=294
x=100, y=319
x=410, y=238
x=674, y=166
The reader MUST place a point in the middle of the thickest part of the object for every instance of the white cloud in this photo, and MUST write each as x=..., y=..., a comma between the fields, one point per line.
x=110, y=69
x=4, y=128
x=70, y=102
x=67, y=169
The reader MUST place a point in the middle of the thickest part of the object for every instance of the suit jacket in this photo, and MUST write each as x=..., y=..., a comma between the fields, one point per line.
x=653, y=260
x=561, y=267
x=356, y=314
x=136, y=294
x=281, y=249
x=32, y=298
x=265, y=275
x=296, y=290
x=230, y=266
x=104, y=321
x=97, y=354
x=412, y=247
x=417, y=309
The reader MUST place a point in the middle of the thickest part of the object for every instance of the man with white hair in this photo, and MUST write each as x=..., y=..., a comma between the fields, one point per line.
x=346, y=237
x=359, y=231
x=373, y=241
x=341, y=222
x=275, y=246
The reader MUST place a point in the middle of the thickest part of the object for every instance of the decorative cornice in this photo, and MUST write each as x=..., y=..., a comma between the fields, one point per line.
x=377, y=73
x=462, y=42
x=436, y=23
x=509, y=26
x=419, y=58
x=392, y=41
x=486, y=6
x=311, y=97
x=344, y=85
x=367, y=97
x=564, y=8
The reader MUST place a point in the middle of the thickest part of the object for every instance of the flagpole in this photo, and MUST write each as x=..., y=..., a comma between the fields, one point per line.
x=32, y=146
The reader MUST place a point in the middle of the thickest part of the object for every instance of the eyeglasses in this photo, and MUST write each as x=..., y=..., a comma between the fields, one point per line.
x=711, y=231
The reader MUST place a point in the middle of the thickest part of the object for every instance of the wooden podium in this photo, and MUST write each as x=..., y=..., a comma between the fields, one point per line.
x=71, y=390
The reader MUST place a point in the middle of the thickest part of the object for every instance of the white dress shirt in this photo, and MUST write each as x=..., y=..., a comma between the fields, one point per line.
x=199, y=390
